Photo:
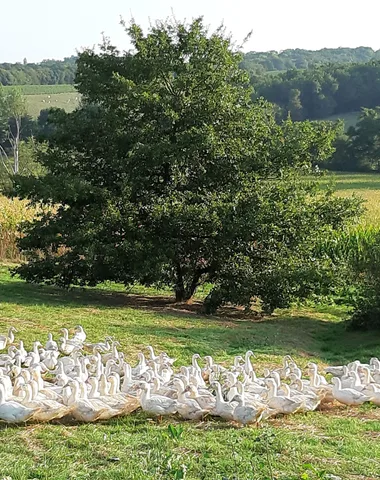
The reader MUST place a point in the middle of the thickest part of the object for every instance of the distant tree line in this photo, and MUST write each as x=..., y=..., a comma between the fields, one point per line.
x=311, y=90
x=48, y=72
x=322, y=91
x=53, y=72
x=302, y=59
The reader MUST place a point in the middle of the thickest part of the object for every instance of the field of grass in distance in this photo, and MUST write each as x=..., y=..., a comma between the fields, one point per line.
x=44, y=89
x=35, y=103
x=342, y=441
x=364, y=185
x=350, y=119
x=39, y=97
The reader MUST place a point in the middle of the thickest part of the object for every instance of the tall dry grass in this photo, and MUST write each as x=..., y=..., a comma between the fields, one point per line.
x=12, y=213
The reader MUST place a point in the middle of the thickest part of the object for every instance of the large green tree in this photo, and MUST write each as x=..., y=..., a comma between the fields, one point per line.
x=168, y=173
x=359, y=148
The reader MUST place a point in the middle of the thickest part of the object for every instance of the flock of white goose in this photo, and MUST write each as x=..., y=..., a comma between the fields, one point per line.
x=87, y=382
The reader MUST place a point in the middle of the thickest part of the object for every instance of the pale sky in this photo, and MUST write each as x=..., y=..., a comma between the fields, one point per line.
x=41, y=29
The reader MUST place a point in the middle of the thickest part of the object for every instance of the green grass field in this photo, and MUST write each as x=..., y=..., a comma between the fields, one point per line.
x=366, y=186
x=35, y=103
x=44, y=89
x=39, y=97
x=350, y=119
x=341, y=441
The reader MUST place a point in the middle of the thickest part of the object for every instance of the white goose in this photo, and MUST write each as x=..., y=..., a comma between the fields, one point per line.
x=347, y=396
x=7, y=339
x=222, y=408
x=14, y=412
x=45, y=410
x=156, y=404
x=246, y=414
x=189, y=408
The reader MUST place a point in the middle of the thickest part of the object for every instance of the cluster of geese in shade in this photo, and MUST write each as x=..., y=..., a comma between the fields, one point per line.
x=82, y=381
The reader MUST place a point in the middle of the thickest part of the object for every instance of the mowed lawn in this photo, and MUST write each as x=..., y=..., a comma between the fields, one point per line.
x=341, y=441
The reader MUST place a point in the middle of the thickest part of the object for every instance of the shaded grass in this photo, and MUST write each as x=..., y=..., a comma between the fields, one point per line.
x=341, y=441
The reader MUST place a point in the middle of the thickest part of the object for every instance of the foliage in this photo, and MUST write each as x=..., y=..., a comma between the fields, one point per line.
x=322, y=91
x=302, y=59
x=359, y=148
x=12, y=213
x=58, y=72
x=175, y=432
x=48, y=72
x=357, y=251
x=169, y=174
x=28, y=165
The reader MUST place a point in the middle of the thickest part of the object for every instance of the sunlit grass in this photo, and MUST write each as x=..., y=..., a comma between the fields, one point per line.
x=364, y=185
x=37, y=102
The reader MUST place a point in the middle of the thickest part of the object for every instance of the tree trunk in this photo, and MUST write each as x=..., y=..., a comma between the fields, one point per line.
x=16, y=146
x=191, y=288
x=16, y=159
x=184, y=293
x=179, y=286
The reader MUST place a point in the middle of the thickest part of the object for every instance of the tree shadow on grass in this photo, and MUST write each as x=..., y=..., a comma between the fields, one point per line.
x=23, y=293
x=230, y=332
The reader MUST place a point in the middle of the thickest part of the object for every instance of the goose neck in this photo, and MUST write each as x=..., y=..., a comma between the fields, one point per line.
x=28, y=393
x=2, y=394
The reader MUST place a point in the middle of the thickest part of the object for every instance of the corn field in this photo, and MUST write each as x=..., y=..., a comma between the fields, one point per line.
x=359, y=245
x=12, y=213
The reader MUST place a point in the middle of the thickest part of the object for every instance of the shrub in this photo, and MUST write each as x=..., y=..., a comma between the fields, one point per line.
x=357, y=254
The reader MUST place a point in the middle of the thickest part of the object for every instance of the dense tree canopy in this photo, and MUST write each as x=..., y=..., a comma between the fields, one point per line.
x=169, y=174
x=302, y=59
x=359, y=148
x=48, y=72
x=322, y=91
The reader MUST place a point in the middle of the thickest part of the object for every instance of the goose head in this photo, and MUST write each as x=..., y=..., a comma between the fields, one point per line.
x=196, y=357
x=336, y=382
x=151, y=351
x=141, y=358
x=238, y=398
